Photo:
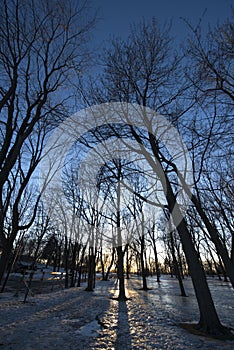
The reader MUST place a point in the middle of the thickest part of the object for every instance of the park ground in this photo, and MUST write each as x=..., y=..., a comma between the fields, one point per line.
x=59, y=318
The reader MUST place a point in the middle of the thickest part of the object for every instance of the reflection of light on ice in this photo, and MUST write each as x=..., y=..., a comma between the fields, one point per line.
x=149, y=320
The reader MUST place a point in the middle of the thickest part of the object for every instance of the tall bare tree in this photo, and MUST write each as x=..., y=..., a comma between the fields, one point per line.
x=42, y=46
x=142, y=70
x=210, y=71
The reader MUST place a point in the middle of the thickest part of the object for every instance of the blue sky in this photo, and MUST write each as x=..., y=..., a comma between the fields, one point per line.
x=116, y=15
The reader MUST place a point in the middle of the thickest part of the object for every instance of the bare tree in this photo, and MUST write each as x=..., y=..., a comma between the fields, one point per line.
x=210, y=126
x=142, y=70
x=41, y=46
x=137, y=210
x=152, y=228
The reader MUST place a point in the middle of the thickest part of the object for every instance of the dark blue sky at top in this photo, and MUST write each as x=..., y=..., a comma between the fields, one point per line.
x=115, y=16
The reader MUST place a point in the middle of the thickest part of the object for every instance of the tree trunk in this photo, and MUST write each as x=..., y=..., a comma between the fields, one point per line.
x=59, y=256
x=175, y=263
x=5, y=257
x=156, y=261
x=209, y=321
x=81, y=267
x=102, y=266
x=33, y=266
x=120, y=251
x=66, y=253
x=91, y=270
x=214, y=235
x=222, y=269
x=120, y=274
x=232, y=250
x=73, y=265
x=110, y=266
x=214, y=262
x=15, y=257
x=180, y=264
x=127, y=263
x=143, y=270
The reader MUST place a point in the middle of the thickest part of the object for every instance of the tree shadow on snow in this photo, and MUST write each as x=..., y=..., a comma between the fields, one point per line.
x=123, y=335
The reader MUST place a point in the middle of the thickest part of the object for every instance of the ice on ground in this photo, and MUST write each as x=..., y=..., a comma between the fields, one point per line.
x=76, y=319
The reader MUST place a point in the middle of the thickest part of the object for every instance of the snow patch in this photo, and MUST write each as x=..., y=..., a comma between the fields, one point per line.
x=90, y=329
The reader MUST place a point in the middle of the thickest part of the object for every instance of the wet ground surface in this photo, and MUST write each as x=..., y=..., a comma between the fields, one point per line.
x=75, y=319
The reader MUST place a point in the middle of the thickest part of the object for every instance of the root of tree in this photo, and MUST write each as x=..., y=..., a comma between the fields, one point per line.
x=121, y=298
x=220, y=333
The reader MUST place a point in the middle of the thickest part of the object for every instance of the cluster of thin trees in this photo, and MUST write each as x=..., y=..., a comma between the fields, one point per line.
x=43, y=61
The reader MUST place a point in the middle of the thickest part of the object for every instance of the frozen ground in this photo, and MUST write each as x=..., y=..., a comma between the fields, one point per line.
x=75, y=319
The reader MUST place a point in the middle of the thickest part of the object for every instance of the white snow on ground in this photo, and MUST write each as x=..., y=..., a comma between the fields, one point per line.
x=76, y=319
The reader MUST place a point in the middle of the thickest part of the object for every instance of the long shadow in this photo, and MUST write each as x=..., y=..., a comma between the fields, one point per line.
x=123, y=335
x=49, y=318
